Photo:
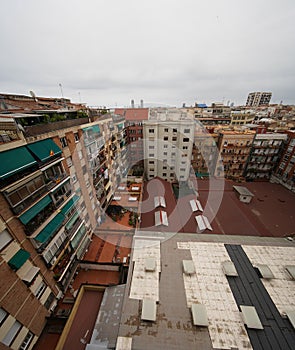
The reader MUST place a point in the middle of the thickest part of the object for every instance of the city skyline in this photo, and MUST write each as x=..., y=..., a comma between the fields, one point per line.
x=105, y=54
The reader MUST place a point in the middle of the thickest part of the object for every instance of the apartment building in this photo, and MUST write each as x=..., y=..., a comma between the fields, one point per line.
x=33, y=190
x=205, y=151
x=285, y=171
x=168, y=142
x=242, y=117
x=256, y=99
x=234, y=148
x=264, y=156
x=55, y=181
x=217, y=114
x=134, y=118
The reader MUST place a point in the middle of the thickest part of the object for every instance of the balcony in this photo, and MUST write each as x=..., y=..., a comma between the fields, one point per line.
x=44, y=214
x=55, y=180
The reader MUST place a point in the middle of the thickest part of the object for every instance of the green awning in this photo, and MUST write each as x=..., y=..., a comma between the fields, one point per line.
x=89, y=128
x=50, y=229
x=14, y=161
x=69, y=205
x=33, y=211
x=18, y=259
x=96, y=129
x=44, y=149
x=72, y=221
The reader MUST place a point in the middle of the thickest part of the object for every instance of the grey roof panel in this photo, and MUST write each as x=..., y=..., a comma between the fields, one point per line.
x=265, y=271
x=291, y=316
x=199, y=314
x=188, y=267
x=250, y=317
x=291, y=270
x=149, y=310
x=229, y=268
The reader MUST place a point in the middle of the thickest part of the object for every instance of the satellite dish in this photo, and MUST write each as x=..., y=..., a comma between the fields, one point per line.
x=32, y=93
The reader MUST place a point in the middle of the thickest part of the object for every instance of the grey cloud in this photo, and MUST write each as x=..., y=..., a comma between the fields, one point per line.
x=161, y=51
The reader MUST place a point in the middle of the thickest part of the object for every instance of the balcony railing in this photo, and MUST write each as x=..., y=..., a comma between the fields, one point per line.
x=40, y=218
x=55, y=180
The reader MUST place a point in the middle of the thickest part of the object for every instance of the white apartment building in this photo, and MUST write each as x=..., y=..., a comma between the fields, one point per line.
x=256, y=99
x=168, y=140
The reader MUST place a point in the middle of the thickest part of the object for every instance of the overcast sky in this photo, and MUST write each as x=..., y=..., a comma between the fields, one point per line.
x=107, y=52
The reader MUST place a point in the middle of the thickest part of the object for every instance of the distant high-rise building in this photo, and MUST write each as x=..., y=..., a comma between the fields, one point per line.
x=256, y=99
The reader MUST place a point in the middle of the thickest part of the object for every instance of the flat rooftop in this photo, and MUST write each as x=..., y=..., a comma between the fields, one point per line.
x=221, y=296
x=270, y=213
x=169, y=114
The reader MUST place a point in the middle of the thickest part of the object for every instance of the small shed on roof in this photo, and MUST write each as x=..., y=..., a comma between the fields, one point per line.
x=243, y=193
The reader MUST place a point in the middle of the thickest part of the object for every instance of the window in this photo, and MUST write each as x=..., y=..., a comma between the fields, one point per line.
x=5, y=239
x=80, y=155
x=74, y=178
x=3, y=316
x=151, y=162
x=63, y=142
x=165, y=138
x=76, y=136
x=173, y=154
x=84, y=169
x=187, y=131
x=171, y=174
x=174, y=138
x=151, y=169
x=151, y=154
x=185, y=139
x=151, y=131
x=164, y=167
x=166, y=130
x=40, y=290
x=165, y=153
x=164, y=174
x=12, y=333
x=165, y=146
x=27, y=341
x=69, y=161
x=184, y=147
x=182, y=169
x=151, y=147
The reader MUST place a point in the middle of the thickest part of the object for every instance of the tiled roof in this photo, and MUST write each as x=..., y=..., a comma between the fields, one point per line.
x=17, y=103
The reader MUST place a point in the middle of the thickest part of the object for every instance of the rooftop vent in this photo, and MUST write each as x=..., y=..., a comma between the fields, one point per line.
x=196, y=205
x=159, y=202
x=150, y=264
x=161, y=218
x=203, y=223
x=188, y=267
